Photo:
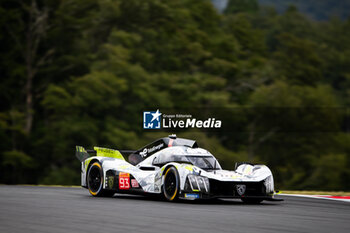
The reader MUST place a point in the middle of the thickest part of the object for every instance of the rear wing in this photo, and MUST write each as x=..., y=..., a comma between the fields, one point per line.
x=136, y=156
x=83, y=154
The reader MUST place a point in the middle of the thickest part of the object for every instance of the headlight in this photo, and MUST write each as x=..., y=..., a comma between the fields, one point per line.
x=268, y=182
x=198, y=183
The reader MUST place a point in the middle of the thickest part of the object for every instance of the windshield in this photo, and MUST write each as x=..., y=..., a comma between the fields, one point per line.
x=204, y=162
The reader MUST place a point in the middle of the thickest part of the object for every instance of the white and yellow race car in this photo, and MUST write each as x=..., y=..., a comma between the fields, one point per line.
x=174, y=168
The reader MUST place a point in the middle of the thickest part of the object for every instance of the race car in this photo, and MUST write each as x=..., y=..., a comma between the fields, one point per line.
x=174, y=168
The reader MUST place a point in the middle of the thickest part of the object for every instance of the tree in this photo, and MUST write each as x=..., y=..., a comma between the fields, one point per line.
x=293, y=126
x=35, y=29
x=236, y=6
x=298, y=61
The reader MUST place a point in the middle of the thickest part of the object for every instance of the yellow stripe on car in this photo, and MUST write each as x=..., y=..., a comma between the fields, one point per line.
x=124, y=166
x=87, y=161
x=248, y=170
x=105, y=152
x=189, y=167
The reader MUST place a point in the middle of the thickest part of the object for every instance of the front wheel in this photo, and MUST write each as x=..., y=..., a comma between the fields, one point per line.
x=171, y=184
x=95, y=181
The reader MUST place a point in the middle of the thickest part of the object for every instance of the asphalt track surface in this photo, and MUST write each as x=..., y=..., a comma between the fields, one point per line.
x=51, y=210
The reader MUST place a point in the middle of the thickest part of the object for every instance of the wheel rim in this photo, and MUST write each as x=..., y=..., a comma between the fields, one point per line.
x=94, y=179
x=170, y=184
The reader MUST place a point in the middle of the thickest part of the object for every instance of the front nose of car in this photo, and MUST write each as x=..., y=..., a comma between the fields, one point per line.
x=197, y=183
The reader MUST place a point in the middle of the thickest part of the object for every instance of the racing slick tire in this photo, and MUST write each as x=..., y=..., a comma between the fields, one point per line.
x=95, y=181
x=251, y=200
x=171, y=186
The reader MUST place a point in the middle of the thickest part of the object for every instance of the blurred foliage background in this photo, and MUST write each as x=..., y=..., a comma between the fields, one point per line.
x=81, y=72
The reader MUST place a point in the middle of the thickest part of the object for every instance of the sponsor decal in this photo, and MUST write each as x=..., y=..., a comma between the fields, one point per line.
x=134, y=183
x=192, y=195
x=146, y=151
x=171, y=141
x=110, y=182
x=151, y=120
x=124, y=180
x=240, y=189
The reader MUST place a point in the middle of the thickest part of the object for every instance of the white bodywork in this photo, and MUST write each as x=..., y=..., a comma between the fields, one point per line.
x=151, y=180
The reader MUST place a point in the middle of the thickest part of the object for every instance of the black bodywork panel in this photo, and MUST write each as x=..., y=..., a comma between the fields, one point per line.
x=148, y=150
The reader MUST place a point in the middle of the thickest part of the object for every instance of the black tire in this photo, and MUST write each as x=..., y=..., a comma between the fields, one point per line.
x=171, y=186
x=94, y=181
x=252, y=200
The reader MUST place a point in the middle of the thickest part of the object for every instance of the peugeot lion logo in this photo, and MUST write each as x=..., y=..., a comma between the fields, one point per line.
x=240, y=189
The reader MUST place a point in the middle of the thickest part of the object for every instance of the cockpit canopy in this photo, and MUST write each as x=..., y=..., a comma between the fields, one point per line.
x=182, y=154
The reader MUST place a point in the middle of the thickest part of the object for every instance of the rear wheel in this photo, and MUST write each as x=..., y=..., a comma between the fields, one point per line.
x=171, y=184
x=95, y=181
x=252, y=200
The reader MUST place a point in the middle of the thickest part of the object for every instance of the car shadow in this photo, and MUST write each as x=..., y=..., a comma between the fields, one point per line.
x=216, y=201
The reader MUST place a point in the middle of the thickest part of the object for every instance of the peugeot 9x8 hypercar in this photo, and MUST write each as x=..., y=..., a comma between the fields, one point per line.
x=174, y=168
